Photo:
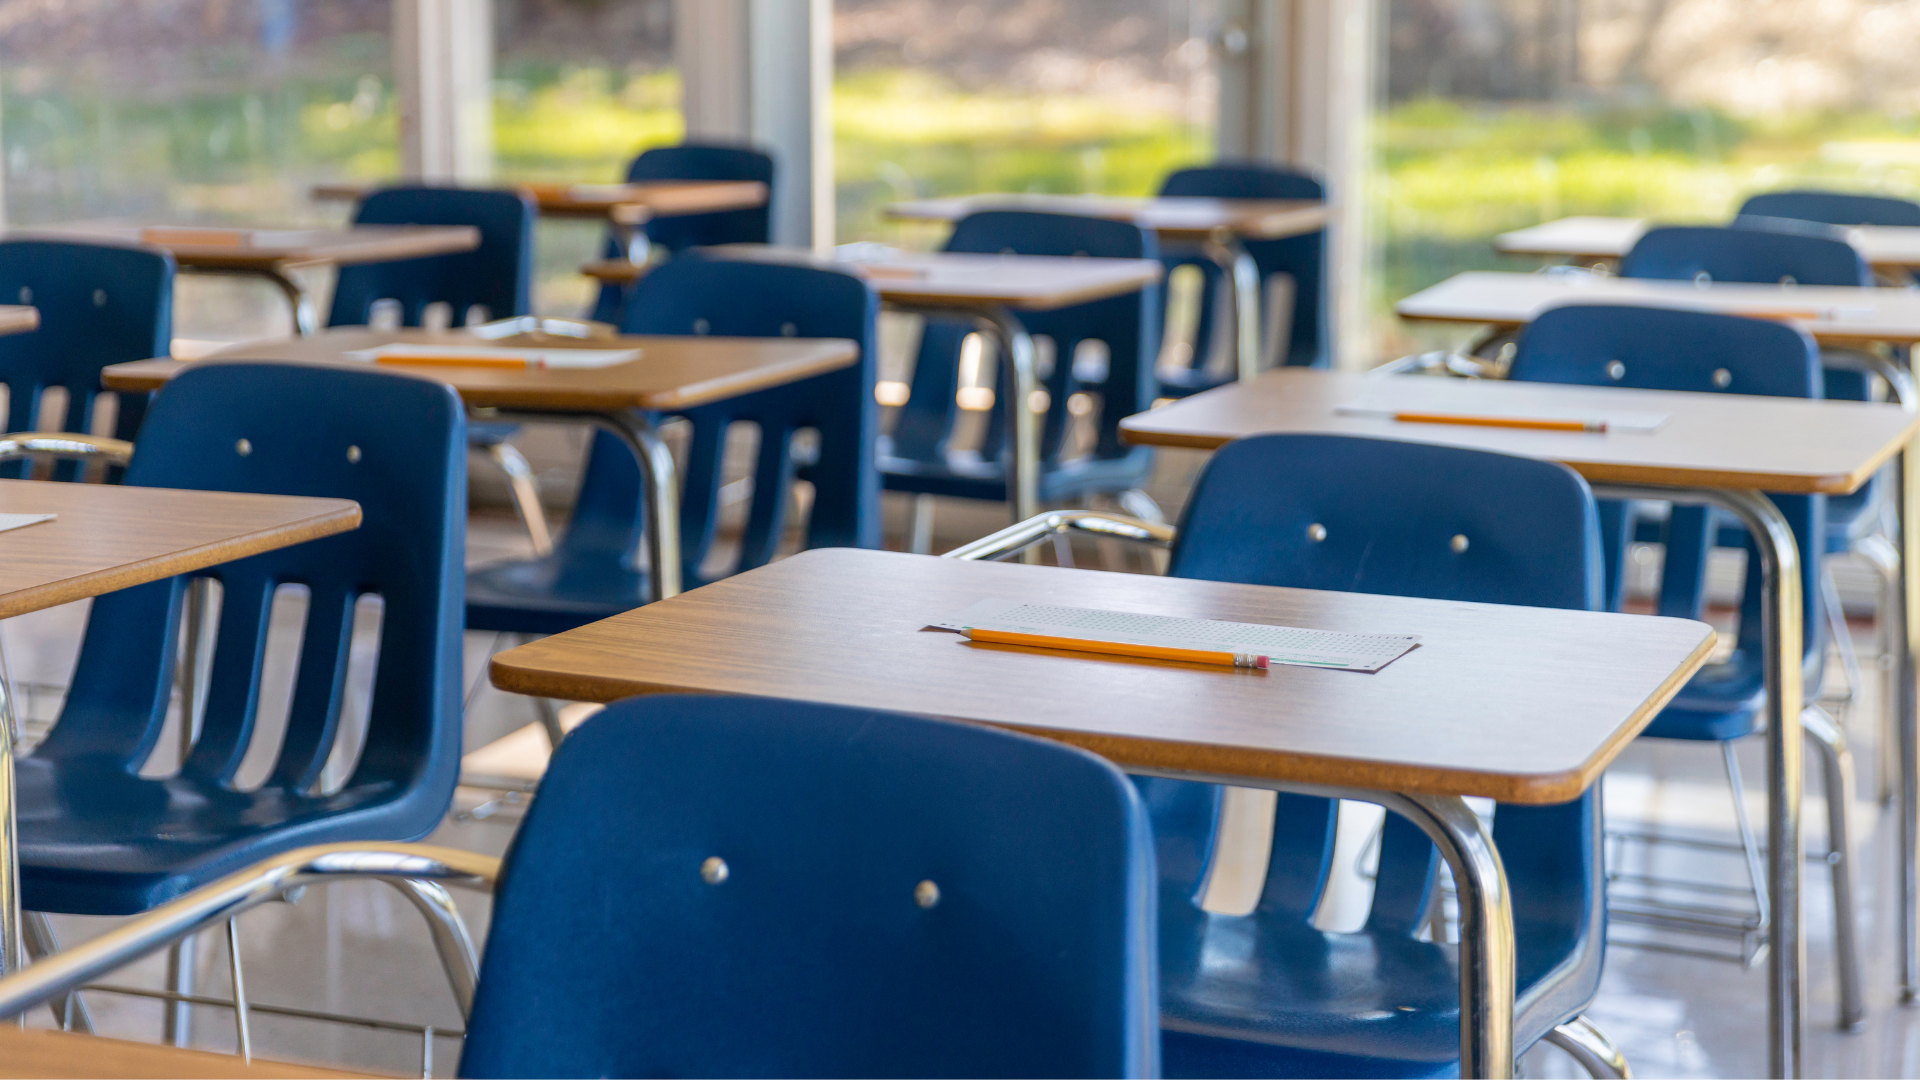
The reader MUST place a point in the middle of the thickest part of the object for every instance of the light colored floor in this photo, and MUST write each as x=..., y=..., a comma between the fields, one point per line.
x=361, y=949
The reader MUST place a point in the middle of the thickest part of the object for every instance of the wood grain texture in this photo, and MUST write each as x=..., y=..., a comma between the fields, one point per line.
x=940, y=279
x=110, y=537
x=1600, y=238
x=60, y=1054
x=260, y=249
x=628, y=204
x=1172, y=218
x=1709, y=440
x=672, y=372
x=1835, y=315
x=18, y=318
x=1520, y=704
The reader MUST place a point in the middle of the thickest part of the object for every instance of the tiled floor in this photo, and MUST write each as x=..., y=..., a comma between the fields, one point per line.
x=360, y=948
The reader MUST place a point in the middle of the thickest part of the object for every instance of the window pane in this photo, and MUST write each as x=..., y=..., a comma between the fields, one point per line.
x=1504, y=114
x=1102, y=96
x=580, y=88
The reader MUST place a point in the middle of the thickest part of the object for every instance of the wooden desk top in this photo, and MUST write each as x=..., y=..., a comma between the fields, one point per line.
x=943, y=279
x=1709, y=440
x=18, y=318
x=1832, y=314
x=1520, y=704
x=1172, y=218
x=59, y=1054
x=110, y=537
x=200, y=247
x=672, y=372
x=1596, y=238
x=627, y=204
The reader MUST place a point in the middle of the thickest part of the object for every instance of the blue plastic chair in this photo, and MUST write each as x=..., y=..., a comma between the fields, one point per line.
x=749, y=887
x=498, y=275
x=1267, y=994
x=1701, y=352
x=98, y=839
x=591, y=573
x=694, y=161
x=1833, y=208
x=99, y=304
x=917, y=458
x=1301, y=257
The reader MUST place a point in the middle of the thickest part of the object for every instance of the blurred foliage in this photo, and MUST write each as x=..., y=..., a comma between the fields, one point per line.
x=556, y=123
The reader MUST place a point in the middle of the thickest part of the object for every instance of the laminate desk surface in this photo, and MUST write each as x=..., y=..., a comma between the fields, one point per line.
x=1777, y=444
x=1521, y=704
x=1171, y=218
x=1832, y=314
x=952, y=279
x=626, y=204
x=59, y=1054
x=18, y=318
x=671, y=373
x=1596, y=238
x=109, y=536
x=216, y=248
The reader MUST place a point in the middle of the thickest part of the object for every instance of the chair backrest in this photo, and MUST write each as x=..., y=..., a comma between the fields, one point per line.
x=1129, y=327
x=1301, y=257
x=748, y=887
x=497, y=275
x=1651, y=348
x=696, y=295
x=1833, y=208
x=1378, y=516
x=394, y=444
x=99, y=304
x=708, y=161
x=1752, y=255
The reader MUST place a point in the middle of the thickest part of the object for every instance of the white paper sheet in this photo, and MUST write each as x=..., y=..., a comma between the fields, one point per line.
x=1279, y=644
x=21, y=521
x=489, y=355
x=1388, y=405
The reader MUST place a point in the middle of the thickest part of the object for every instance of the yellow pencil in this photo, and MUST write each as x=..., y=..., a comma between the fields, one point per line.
x=458, y=360
x=1117, y=648
x=1502, y=422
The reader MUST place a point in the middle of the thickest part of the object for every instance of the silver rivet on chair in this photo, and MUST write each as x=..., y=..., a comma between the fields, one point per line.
x=1789, y=281
x=243, y=448
x=353, y=454
x=787, y=329
x=714, y=870
x=1722, y=378
x=1316, y=532
x=700, y=326
x=1458, y=543
x=99, y=298
x=1703, y=279
x=1616, y=370
x=26, y=295
x=926, y=894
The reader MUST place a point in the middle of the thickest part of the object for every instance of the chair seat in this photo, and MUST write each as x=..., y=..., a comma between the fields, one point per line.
x=96, y=840
x=549, y=595
x=1231, y=985
x=972, y=477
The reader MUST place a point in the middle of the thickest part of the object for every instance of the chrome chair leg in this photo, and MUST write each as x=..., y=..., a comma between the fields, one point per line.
x=526, y=495
x=1877, y=549
x=450, y=937
x=1749, y=842
x=1836, y=764
x=550, y=721
x=1837, y=626
x=920, y=534
x=177, y=1016
x=240, y=1030
x=1141, y=505
x=69, y=1011
x=1589, y=1046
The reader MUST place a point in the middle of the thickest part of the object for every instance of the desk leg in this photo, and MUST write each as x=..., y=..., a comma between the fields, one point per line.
x=305, y=322
x=1905, y=667
x=1230, y=255
x=12, y=956
x=1486, y=927
x=660, y=489
x=1023, y=473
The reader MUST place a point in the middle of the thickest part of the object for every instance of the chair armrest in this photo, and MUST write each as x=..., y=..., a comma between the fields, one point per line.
x=1016, y=538
x=212, y=904
x=65, y=444
x=1899, y=383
